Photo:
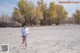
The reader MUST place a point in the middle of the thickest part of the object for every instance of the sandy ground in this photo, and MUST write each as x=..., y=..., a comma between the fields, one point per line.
x=46, y=39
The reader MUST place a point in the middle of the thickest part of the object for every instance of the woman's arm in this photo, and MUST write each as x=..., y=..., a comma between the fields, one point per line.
x=28, y=31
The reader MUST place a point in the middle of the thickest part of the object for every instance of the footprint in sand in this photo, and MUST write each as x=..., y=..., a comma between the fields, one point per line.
x=14, y=47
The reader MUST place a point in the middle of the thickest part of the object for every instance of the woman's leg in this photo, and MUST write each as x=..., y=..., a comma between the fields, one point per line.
x=23, y=39
x=25, y=42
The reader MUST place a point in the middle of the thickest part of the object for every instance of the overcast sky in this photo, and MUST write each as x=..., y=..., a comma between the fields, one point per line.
x=7, y=6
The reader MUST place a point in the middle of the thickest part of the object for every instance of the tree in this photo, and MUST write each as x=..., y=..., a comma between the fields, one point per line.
x=4, y=20
x=52, y=12
x=61, y=14
x=76, y=16
x=24, y=12
x=17, y=16
x=38, y=14
x=43, y=9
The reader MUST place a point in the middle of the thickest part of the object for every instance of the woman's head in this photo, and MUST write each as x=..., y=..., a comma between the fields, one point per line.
x=24, y=25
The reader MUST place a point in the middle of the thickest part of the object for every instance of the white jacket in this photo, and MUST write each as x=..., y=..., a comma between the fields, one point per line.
x=25, y=31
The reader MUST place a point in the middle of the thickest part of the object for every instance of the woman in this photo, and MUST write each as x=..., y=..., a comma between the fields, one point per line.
x=25, y=32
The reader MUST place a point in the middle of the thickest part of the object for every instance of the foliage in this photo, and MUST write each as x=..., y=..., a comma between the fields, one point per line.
x=24, y=12
x=61, y=14
x=76, y=16
x=40, y=14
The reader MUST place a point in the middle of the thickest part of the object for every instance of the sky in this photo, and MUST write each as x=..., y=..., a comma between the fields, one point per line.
x=7, y=6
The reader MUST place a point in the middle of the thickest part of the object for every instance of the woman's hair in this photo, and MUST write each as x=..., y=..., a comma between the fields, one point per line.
x=23, y=24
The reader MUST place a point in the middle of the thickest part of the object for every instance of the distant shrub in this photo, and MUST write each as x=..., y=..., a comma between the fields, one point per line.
x=14, y=24
x=3, y=24
x=10, y=24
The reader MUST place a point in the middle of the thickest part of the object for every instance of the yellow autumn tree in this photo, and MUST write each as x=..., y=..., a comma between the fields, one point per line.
x=61, y=14
x=76, y=16
x=52, y=12
x=24, y=12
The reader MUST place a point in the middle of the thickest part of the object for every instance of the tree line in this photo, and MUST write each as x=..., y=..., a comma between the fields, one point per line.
x=39, y=15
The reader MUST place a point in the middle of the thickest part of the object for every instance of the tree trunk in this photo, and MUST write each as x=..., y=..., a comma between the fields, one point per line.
x=57, y=22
